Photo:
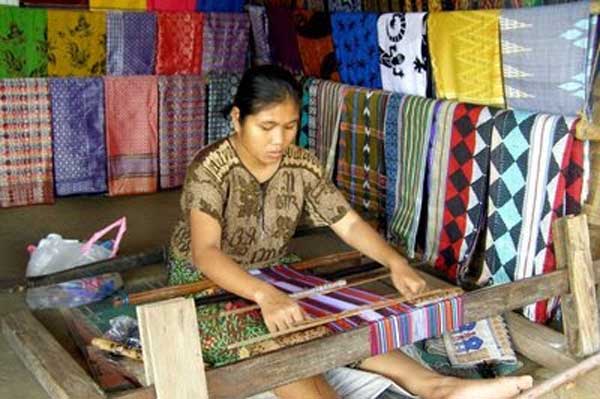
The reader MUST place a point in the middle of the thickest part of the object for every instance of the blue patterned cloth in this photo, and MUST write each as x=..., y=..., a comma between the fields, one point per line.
x=78, y=135
x=356, y=48
x=390, y=147
x=130, y=43
x=220, y=5
x=545, y=57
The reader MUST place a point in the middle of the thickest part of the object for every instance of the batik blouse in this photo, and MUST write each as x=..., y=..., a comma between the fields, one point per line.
x=257, y=219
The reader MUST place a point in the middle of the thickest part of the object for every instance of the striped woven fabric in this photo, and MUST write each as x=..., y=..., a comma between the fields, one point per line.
x=411, y=136
x=360, y=168
x=221, y=91
x=225, y=41
x=25, y=139
x=130, y=43
x=179, y=45
x=131, y=134
x=181, y=125
x=78, y=135
x=390, y=328
x=326, y=104
x=527, y=190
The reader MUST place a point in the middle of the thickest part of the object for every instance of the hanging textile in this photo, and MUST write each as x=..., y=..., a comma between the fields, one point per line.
x=311, y=5
x=130, y=42
x=76, y=43
x=389, y=328
x=327, y=108
x=404, y=58
x=9, y=2
x=360, y=168
x=179, y=48
x=410, y=134
x=139, y=5
x=26, y=142
x=260, y=34
x=465, y=56
x=131, y=134
x=78, y=135
x=220, y=5
x=527, y=189
x=172, y=5
x=381, y=6
x=574, y=179
x=82, y=4
x=282, y=39
x=533, y=39
x=465, y=188
x=313, y=31
x=302, y=139
x=181, y=125
x=356, y=48
x=22, y=43
x=221, y=91
x=344, y=5
x=225, y=40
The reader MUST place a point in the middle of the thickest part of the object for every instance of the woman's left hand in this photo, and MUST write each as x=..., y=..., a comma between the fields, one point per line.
x=406, y=280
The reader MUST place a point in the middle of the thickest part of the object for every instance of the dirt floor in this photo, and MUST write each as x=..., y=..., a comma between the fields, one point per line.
x=150, y=219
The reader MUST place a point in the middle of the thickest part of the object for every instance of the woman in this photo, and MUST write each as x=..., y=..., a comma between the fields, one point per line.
x=241, y=202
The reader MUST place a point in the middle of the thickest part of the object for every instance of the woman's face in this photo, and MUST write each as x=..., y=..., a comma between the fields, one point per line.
x=267, y=134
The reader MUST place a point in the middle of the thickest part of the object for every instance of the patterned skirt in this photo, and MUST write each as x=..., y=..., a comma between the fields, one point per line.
x=217, y=333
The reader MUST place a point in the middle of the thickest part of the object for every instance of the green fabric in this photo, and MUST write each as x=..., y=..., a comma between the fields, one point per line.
x=23, y=46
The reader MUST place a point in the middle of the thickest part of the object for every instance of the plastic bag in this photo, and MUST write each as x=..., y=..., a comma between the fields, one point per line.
x=124, y=330
x=54, y=253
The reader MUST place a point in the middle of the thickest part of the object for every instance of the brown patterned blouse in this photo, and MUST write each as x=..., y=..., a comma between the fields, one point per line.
x=257, y=219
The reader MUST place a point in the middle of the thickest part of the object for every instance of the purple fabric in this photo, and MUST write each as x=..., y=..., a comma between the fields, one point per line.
x=260, y=34
x=78, y=135
x=127, y=166
x=225, y=42
x=130, y=43
x=282, y=38
x=220, y=5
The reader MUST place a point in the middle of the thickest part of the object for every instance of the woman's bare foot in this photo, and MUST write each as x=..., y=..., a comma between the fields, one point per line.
x=499, y=388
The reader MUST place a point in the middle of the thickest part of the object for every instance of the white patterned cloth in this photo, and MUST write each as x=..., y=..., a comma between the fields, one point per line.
x=9, y=3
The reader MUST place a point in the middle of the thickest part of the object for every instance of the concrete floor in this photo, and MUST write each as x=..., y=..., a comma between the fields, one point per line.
x=150, y=219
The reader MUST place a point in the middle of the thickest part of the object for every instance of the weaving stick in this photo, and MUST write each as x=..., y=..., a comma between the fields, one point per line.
x=318, y=290
x=347, y=313
x=116, y=348
x=192, y=288
x=566, y=376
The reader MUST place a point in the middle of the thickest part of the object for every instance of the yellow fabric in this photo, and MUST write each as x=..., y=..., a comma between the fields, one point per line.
x=434, y=5
x=118, y=4
x=76, y=43
x=465, y=55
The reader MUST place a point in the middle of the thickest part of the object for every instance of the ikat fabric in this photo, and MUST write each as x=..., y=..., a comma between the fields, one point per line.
x=360, y=167
x=533, y=39
x=225, y=42
x=172, y=5
x=131, y=104
x=181, y=125
x=78, y=135
x=282, y=39
x=231, y=6
x=137, y=5
x=313, y=30
x=344, y=5
x=76, y=43
x=260, y=34
x=404, y=57
x=356, y=48
x=221, y=91
x=179, y=48
x=23, y=43
x=130, y=42
x=465, y=56
x=25, y=137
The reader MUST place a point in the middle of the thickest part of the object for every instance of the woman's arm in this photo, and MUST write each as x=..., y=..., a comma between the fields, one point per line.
x=279, y=311
x=357, y=233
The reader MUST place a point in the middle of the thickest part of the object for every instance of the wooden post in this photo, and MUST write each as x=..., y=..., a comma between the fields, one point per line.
x=592, y=205
x=579, y=307
x=172, y=353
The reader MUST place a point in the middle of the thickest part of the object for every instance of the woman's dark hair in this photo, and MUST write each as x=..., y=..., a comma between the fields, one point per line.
x=265, y=85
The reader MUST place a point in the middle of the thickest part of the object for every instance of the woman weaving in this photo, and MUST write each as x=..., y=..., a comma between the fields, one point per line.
x=241, y=202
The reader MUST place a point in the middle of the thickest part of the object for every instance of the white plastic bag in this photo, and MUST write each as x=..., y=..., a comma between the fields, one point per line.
x=54, y=253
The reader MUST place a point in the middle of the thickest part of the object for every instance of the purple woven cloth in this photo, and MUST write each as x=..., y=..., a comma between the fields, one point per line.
x=220, y=5
x=130, y=43
x=260, y=34
x=282, y=38
x=78, y=135
x=225, y=42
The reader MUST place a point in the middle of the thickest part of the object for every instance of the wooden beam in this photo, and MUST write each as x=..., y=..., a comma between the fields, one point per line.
x=579, y=307
x=592, y=205
x=172, y=353
x=53, y=367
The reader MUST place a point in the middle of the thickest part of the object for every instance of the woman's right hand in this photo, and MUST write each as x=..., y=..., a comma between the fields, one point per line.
x=279, y=311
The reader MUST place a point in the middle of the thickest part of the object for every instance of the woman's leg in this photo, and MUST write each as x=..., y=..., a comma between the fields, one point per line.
x=309, y=388
x=429, y=384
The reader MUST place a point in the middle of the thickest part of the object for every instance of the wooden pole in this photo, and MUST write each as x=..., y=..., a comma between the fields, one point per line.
x=579, y=307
